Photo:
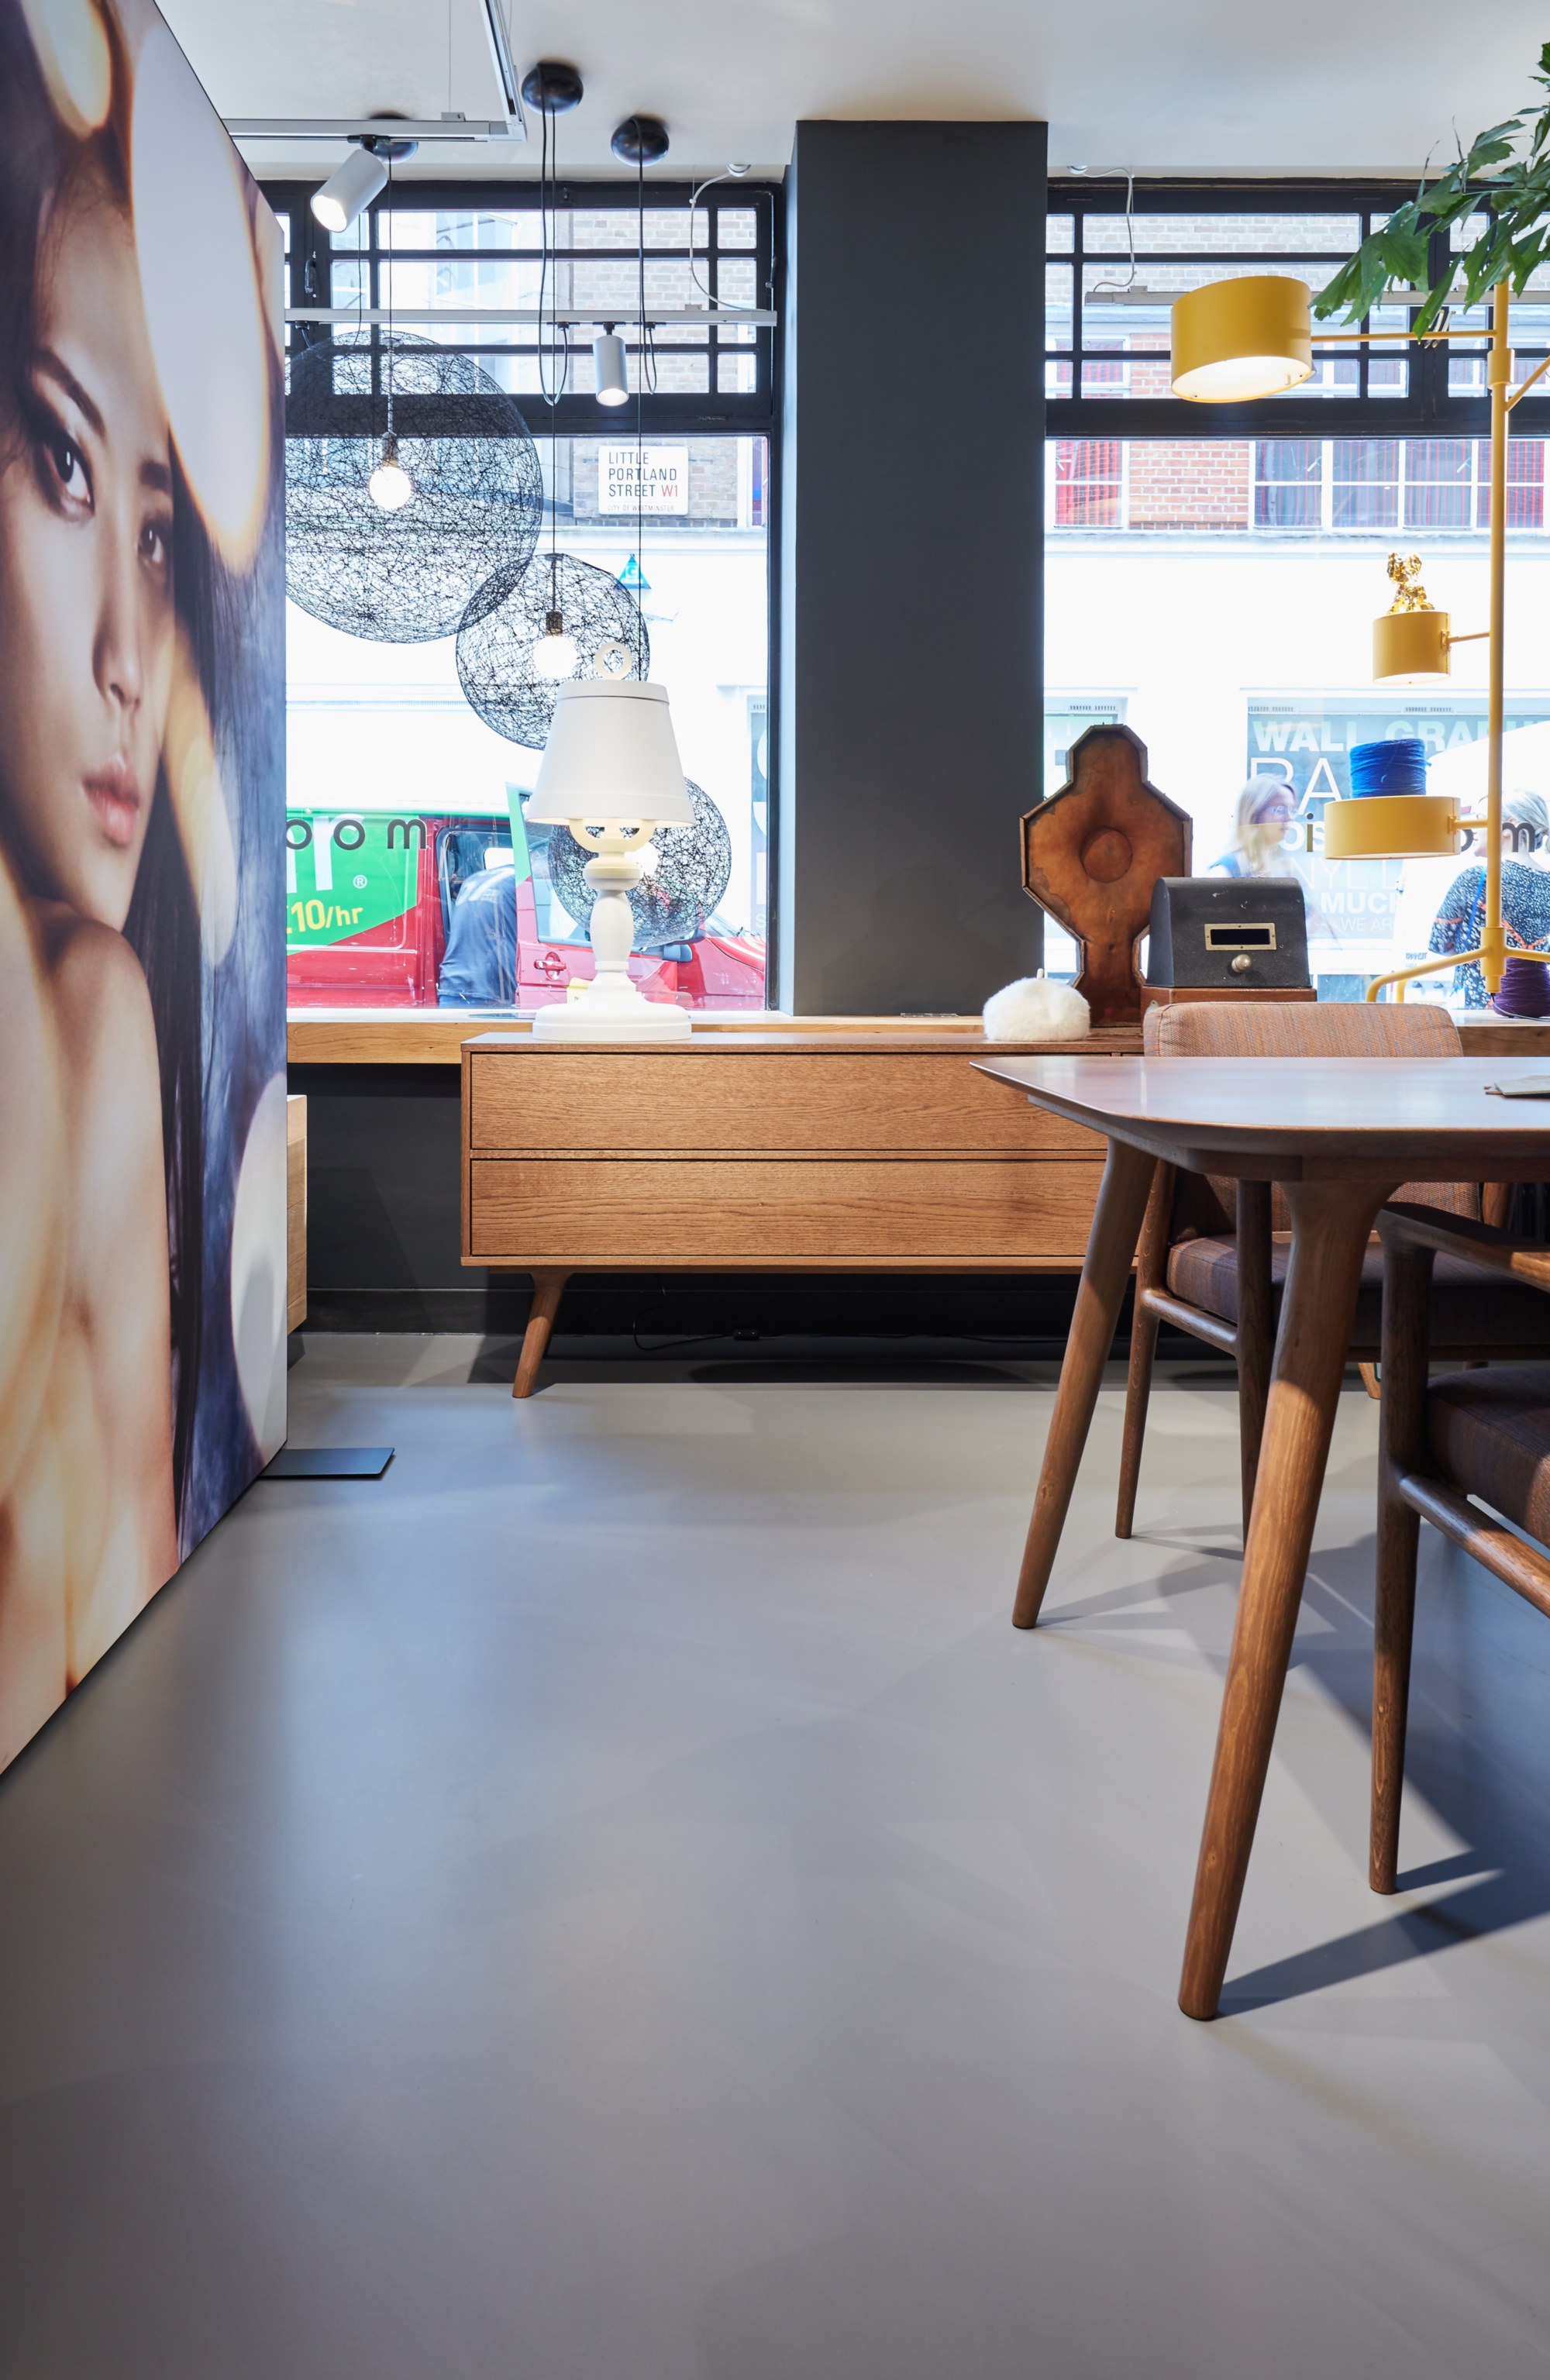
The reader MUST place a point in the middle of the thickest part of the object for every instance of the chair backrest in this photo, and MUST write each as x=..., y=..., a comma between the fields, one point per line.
x=1298, y=1028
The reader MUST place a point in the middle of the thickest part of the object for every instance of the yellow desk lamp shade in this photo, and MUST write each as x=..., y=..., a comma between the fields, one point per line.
x=1235, y=340
x=1392, y=826
x=1412, y=646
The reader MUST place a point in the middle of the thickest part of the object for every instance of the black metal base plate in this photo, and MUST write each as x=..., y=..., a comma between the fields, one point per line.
x=329, y=1462
x=640, y=141
x=552, y=86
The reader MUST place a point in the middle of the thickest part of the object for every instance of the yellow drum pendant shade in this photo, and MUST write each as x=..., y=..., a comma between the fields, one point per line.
x=1235, y=340
x=1412, y=645
x=1392, y=826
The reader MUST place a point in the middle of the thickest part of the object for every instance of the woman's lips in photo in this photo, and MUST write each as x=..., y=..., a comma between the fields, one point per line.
x=114, y=796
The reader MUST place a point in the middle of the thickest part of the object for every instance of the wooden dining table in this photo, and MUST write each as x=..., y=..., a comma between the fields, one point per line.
x=1341, y=1135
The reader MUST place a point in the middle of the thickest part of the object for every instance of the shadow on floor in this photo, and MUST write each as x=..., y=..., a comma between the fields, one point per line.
x=1478, y=1753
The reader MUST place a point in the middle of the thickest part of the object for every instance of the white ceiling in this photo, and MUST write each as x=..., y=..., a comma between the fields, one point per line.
x=1213, y=86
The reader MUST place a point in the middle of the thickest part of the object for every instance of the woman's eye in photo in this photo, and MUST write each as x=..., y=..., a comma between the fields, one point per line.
x=155, y=544
x=63, y=465
x=68, y=464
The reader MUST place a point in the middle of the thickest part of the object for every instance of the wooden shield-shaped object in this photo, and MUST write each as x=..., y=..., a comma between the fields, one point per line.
x=1091, y=854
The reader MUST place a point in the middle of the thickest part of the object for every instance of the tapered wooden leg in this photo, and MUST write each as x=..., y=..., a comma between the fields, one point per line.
x=1256, y=1331
x=1138, y=1391
x=1331, y=1221
x=1126, y=1179
x=1407, y=1290
x=548, y=1290
x=1370, y=1380
x=1151, y=1270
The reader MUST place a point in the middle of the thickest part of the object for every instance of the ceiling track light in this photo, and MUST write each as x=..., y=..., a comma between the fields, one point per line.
x=505, y=69
x=361, y=178
x=610, y=383
x=451, y=127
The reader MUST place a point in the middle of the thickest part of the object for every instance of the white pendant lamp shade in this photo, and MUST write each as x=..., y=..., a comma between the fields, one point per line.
x=357, y=183
x=612, y=753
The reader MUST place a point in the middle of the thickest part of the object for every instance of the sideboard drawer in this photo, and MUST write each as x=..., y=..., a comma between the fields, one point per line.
x=705, y=1100
x=730, y=1211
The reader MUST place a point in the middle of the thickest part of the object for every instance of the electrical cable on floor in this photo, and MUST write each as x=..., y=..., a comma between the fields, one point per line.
x=699, y=1339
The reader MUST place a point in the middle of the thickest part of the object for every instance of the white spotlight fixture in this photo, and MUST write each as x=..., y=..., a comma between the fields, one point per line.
x=554, y=655
x=358, y=181
x=389, y=486
x=609, y=377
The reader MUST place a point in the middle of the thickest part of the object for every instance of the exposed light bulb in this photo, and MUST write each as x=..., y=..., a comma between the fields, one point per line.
x=554, y=655
x=389, y=486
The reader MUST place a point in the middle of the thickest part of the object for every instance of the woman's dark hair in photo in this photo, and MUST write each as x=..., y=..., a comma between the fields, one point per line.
x=41, y=165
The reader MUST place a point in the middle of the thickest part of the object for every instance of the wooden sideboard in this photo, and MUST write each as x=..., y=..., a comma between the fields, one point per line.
x=776, y=1151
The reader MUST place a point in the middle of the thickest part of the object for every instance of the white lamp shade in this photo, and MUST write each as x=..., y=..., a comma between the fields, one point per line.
x=612, y=753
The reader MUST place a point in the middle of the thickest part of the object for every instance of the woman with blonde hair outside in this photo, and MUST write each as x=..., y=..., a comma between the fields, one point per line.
x=1258, y=848
x=1265, y=808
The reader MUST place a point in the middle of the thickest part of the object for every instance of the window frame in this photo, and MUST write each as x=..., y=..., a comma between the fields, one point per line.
x=748, y=413
x=1427, y=409
x=758, y=413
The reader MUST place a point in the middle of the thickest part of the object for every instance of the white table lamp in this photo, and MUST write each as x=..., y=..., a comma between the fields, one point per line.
x=610, y=772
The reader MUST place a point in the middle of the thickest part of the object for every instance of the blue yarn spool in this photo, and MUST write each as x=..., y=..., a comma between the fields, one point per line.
x=1525, y=988
x=1397, y=765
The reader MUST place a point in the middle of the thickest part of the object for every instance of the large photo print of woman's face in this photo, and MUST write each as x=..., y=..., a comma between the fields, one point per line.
x=139, y=693
x=86, y=568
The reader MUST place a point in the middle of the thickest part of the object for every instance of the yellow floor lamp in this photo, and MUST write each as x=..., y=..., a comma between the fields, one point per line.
x=1234, y=341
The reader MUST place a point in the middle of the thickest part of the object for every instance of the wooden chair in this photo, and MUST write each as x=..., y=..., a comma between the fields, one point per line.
x=1213, y=1254
x=1478, y=1433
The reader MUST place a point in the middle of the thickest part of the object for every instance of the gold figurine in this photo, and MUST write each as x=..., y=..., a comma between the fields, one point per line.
x=1405, y=571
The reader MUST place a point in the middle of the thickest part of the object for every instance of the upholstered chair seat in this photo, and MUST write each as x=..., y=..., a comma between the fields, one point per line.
x=1469, y=1305
x=1456, y=1451
x=1214, y=1252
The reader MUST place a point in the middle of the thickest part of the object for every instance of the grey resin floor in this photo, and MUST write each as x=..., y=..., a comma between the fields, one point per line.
x=614, y=1900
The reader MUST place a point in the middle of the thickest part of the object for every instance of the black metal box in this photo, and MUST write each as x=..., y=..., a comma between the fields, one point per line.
x=1228, y=933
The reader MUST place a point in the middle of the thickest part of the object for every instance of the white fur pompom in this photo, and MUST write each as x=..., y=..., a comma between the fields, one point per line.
x=1034, y=1009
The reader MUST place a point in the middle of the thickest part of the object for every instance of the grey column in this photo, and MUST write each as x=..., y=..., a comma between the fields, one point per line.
x=911, y=564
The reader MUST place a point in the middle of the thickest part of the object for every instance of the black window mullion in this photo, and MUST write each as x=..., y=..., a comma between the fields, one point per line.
x=1078, y=330
x=1430, y=363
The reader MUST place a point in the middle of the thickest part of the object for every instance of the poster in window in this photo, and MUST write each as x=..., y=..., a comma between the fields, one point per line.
x=1307, y=741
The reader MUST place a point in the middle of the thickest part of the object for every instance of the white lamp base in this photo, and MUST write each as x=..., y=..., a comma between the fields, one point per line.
x=612, y=1007
x=590, y=1019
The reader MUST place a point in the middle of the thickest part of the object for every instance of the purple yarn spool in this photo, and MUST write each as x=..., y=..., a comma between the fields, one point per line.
x=1525, y=988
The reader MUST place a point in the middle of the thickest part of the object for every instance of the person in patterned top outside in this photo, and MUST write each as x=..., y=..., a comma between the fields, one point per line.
x=1525, y=895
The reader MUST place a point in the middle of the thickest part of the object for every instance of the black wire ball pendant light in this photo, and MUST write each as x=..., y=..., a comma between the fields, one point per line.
x=672, y=904
x=476, y=511
x=506, y=625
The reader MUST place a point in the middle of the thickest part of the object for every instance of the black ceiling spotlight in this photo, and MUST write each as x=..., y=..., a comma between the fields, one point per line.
x=553, y=86
x=640, y=141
